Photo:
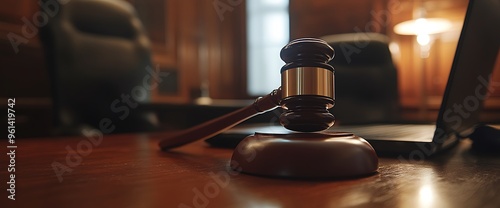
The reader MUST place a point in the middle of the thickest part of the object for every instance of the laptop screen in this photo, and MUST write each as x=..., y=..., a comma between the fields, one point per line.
x=472, y=67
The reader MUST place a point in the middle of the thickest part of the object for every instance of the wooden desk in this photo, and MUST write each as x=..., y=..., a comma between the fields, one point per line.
x=130, y=171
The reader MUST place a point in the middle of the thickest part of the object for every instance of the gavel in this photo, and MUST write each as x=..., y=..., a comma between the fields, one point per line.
x=306, y=93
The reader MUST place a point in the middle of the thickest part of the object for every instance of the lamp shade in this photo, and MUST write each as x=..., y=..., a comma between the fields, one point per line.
x=426, y=26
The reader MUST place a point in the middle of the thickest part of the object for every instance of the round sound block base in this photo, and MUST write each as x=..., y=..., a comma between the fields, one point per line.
x=305, y=155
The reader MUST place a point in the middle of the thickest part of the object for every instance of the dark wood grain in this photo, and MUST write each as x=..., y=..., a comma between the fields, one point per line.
x=130, y=171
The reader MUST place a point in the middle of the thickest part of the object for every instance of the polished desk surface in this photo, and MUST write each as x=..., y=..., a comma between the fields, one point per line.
x=129, y=170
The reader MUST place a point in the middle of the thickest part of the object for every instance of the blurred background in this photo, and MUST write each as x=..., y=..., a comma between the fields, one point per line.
x=211, y=57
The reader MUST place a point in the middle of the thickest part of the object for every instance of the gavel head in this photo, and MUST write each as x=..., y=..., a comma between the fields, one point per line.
x=307, y=82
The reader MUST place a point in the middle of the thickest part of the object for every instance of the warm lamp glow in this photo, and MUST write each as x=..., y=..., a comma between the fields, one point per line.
x=423, y=39
x=420, y=26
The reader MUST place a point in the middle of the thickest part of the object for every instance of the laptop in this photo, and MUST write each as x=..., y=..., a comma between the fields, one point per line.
x=466, y=89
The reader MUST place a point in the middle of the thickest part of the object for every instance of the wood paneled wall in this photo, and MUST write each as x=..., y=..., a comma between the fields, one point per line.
x=436, y=67
x=201, y=46
x=202, y=43
x=325, y=17
x=427, y=77
x=192, y=41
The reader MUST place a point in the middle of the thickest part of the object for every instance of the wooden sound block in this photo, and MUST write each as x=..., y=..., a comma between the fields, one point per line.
x=305, y=155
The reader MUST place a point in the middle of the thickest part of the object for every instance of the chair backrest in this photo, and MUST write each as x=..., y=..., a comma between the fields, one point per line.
x=98, y=55
x=365, y=78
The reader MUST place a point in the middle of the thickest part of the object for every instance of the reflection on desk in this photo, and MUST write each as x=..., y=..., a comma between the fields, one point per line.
x=129, y=170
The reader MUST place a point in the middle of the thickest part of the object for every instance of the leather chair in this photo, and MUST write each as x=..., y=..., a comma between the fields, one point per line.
x=99, y=62
x=366, y=79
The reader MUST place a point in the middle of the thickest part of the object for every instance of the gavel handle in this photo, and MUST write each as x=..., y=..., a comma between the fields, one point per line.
x=217, y=125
